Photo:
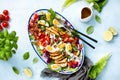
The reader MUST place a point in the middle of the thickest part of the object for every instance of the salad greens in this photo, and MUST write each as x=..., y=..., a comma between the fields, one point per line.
x=98, y=4
x=26, y=55
x=90, y=30
x=97, y=18
x=15, y=70
x=8, y=44
x=52, y=16
x=68, y=3
x=95, y=70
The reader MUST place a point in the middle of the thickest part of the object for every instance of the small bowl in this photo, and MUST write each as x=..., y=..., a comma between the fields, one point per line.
x=86, y=13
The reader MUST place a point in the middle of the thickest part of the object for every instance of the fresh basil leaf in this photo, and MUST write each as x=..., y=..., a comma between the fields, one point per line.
x=5, y=33
x=8, y=41
x=97, y=18
x=35, y=60
x=15, y=70
x=98, y=4
x=26, y=55
x=8, y=55
x=15, y=45
x=96, y=69
x=97, y=7
x=90, y=30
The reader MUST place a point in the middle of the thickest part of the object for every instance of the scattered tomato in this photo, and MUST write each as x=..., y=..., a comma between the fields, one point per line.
x=5, y=24
x=6, y=17
x=5, y=12
x=1, y=17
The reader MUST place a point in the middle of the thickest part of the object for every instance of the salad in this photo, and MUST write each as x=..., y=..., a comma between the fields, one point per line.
x=59, y=47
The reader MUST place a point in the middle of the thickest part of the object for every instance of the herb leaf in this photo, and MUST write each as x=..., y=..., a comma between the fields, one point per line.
x=15, y=70
x=98, y=4
x=90, y=30
x=35, y=60
x=97, y=18
x=26, y=55
x=8, y=43
x=95, y=70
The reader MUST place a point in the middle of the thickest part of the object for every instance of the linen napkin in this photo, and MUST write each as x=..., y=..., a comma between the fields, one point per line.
x=81, y=74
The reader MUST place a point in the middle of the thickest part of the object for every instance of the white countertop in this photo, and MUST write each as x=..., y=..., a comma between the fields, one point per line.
x=21, y=10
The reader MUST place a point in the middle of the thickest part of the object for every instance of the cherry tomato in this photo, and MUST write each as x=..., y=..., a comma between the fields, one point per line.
x=35, y=16
x=1, y=17
x=73, y=64
x=5, y=12
x=5, y=24
x=1, y=28
x=71, y=39
x=7, y=18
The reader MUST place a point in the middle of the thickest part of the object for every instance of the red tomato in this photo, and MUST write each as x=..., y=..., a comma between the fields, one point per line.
x=1, y=17
x=71, y=39
x=35, y=16
x=7, y=18
x=47, y=38
x=1, y=28
x=5, y=12
x=65, y=39
x=5, y=24
x=73, y=64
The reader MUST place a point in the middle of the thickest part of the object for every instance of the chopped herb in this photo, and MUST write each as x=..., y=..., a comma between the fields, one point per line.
x=90, y=30
x=42, y=17
x=26, y=55
x=32, y=37
x=74, y=34
x=97, y=18
x=15, y=70
x=74, y=47
x=40, y=51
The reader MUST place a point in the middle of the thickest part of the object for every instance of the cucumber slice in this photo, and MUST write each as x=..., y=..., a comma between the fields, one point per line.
x=107, y=36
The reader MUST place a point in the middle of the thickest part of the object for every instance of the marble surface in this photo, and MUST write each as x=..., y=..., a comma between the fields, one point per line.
x=20, y=11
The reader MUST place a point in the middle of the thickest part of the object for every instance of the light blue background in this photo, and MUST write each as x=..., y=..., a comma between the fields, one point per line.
x=20, y=11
